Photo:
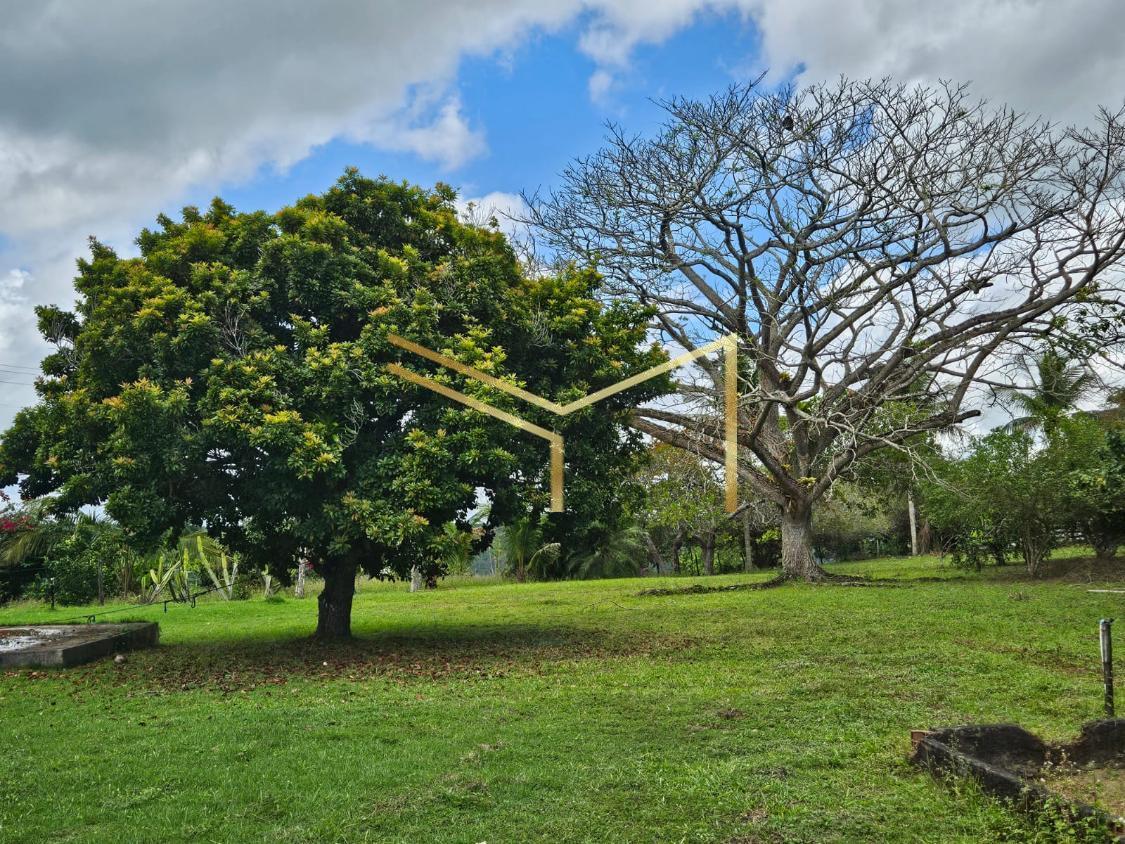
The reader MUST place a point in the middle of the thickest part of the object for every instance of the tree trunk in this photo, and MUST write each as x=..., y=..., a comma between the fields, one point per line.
x=707, y=546
x=334, y=616
x=797, y=560
x=747, y=542
x=1105, y=551
x=1103, y=543
x=913, y=525
x=999, y=551
x=677, y=544
x=925, y=537
x=415, y=579
x=654, y=555
x=1034, y=549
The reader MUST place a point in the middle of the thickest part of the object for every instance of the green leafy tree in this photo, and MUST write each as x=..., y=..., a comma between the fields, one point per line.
x=847, y=521
x=234, y=376
x=683, y=503
x=1097, y=487
x=458, y=551
x=1013, y=487
x=972, y=532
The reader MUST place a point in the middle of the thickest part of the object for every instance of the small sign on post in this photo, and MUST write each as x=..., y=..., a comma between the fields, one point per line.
x=1107, y=663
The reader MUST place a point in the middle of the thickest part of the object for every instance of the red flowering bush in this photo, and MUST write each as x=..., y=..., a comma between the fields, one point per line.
x=11, y=519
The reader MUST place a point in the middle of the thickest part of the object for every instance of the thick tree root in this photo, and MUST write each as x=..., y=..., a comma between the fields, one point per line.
x=701, y=589
x=824, y=578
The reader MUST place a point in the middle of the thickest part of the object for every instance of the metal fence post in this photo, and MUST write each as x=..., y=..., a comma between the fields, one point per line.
x=1107, y=663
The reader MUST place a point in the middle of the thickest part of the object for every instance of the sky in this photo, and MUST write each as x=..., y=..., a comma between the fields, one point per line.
x=113, y=112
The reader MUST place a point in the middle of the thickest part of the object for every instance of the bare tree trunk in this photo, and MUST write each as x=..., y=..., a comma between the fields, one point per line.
x=1034, y=550
x=334, y=606
x=926, y=538
x=1104, y=545
x=1105, y=550
x=654, y=555
x=707, y=547
x=913, y=525
x=415, y=579
x=797, y=560
x=299, y=589
x=747, y=543
x=677, y=544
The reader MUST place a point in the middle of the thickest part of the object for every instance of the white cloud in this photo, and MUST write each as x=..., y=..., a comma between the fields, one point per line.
x=1052, y=59
x=443, y=136
x=600, y=85
x=612, y=36
x=112, y=111
x=1048, y=58
x=13, y=302
x=507, y=209
x=15, y=379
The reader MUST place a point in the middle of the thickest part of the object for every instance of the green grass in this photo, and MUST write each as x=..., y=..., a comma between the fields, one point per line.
x=554, y=712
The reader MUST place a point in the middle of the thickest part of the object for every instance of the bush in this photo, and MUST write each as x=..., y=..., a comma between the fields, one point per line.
x=1016, y=490
x=849, y=525
x=69, y=583
x=71, y=571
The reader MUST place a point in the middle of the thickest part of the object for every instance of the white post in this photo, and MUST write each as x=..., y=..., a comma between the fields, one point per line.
x=299, y=589
x=415, y=579
x=913, y=525
x=747, y=542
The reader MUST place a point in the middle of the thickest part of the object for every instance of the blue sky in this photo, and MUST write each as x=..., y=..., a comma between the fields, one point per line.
x=114, y=112
x=535, y=110
x=525, y=106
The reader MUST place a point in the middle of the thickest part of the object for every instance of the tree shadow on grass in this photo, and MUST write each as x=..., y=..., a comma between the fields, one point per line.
x=1063, y=569
x=433, y=653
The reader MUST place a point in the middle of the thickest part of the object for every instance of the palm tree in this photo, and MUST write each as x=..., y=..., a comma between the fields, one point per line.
x=1058, y=384
x=618, y=553
x=521, y=545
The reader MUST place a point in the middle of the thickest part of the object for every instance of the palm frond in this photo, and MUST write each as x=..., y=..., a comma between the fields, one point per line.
x=1058, y=384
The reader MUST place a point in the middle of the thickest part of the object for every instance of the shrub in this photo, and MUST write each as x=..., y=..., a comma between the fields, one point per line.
x=71, y=571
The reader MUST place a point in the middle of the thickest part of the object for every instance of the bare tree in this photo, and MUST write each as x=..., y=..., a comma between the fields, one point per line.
x=878, y=250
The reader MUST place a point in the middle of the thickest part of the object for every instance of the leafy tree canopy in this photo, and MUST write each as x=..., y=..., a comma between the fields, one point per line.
x=234, y=375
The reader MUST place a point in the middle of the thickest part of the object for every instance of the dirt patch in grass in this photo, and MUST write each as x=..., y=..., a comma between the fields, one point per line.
x=1103, y=788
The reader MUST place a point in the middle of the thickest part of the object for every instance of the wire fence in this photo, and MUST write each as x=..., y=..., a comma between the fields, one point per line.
x=188, y=600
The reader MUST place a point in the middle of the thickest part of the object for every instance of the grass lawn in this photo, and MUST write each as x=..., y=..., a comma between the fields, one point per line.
x=554, y=712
